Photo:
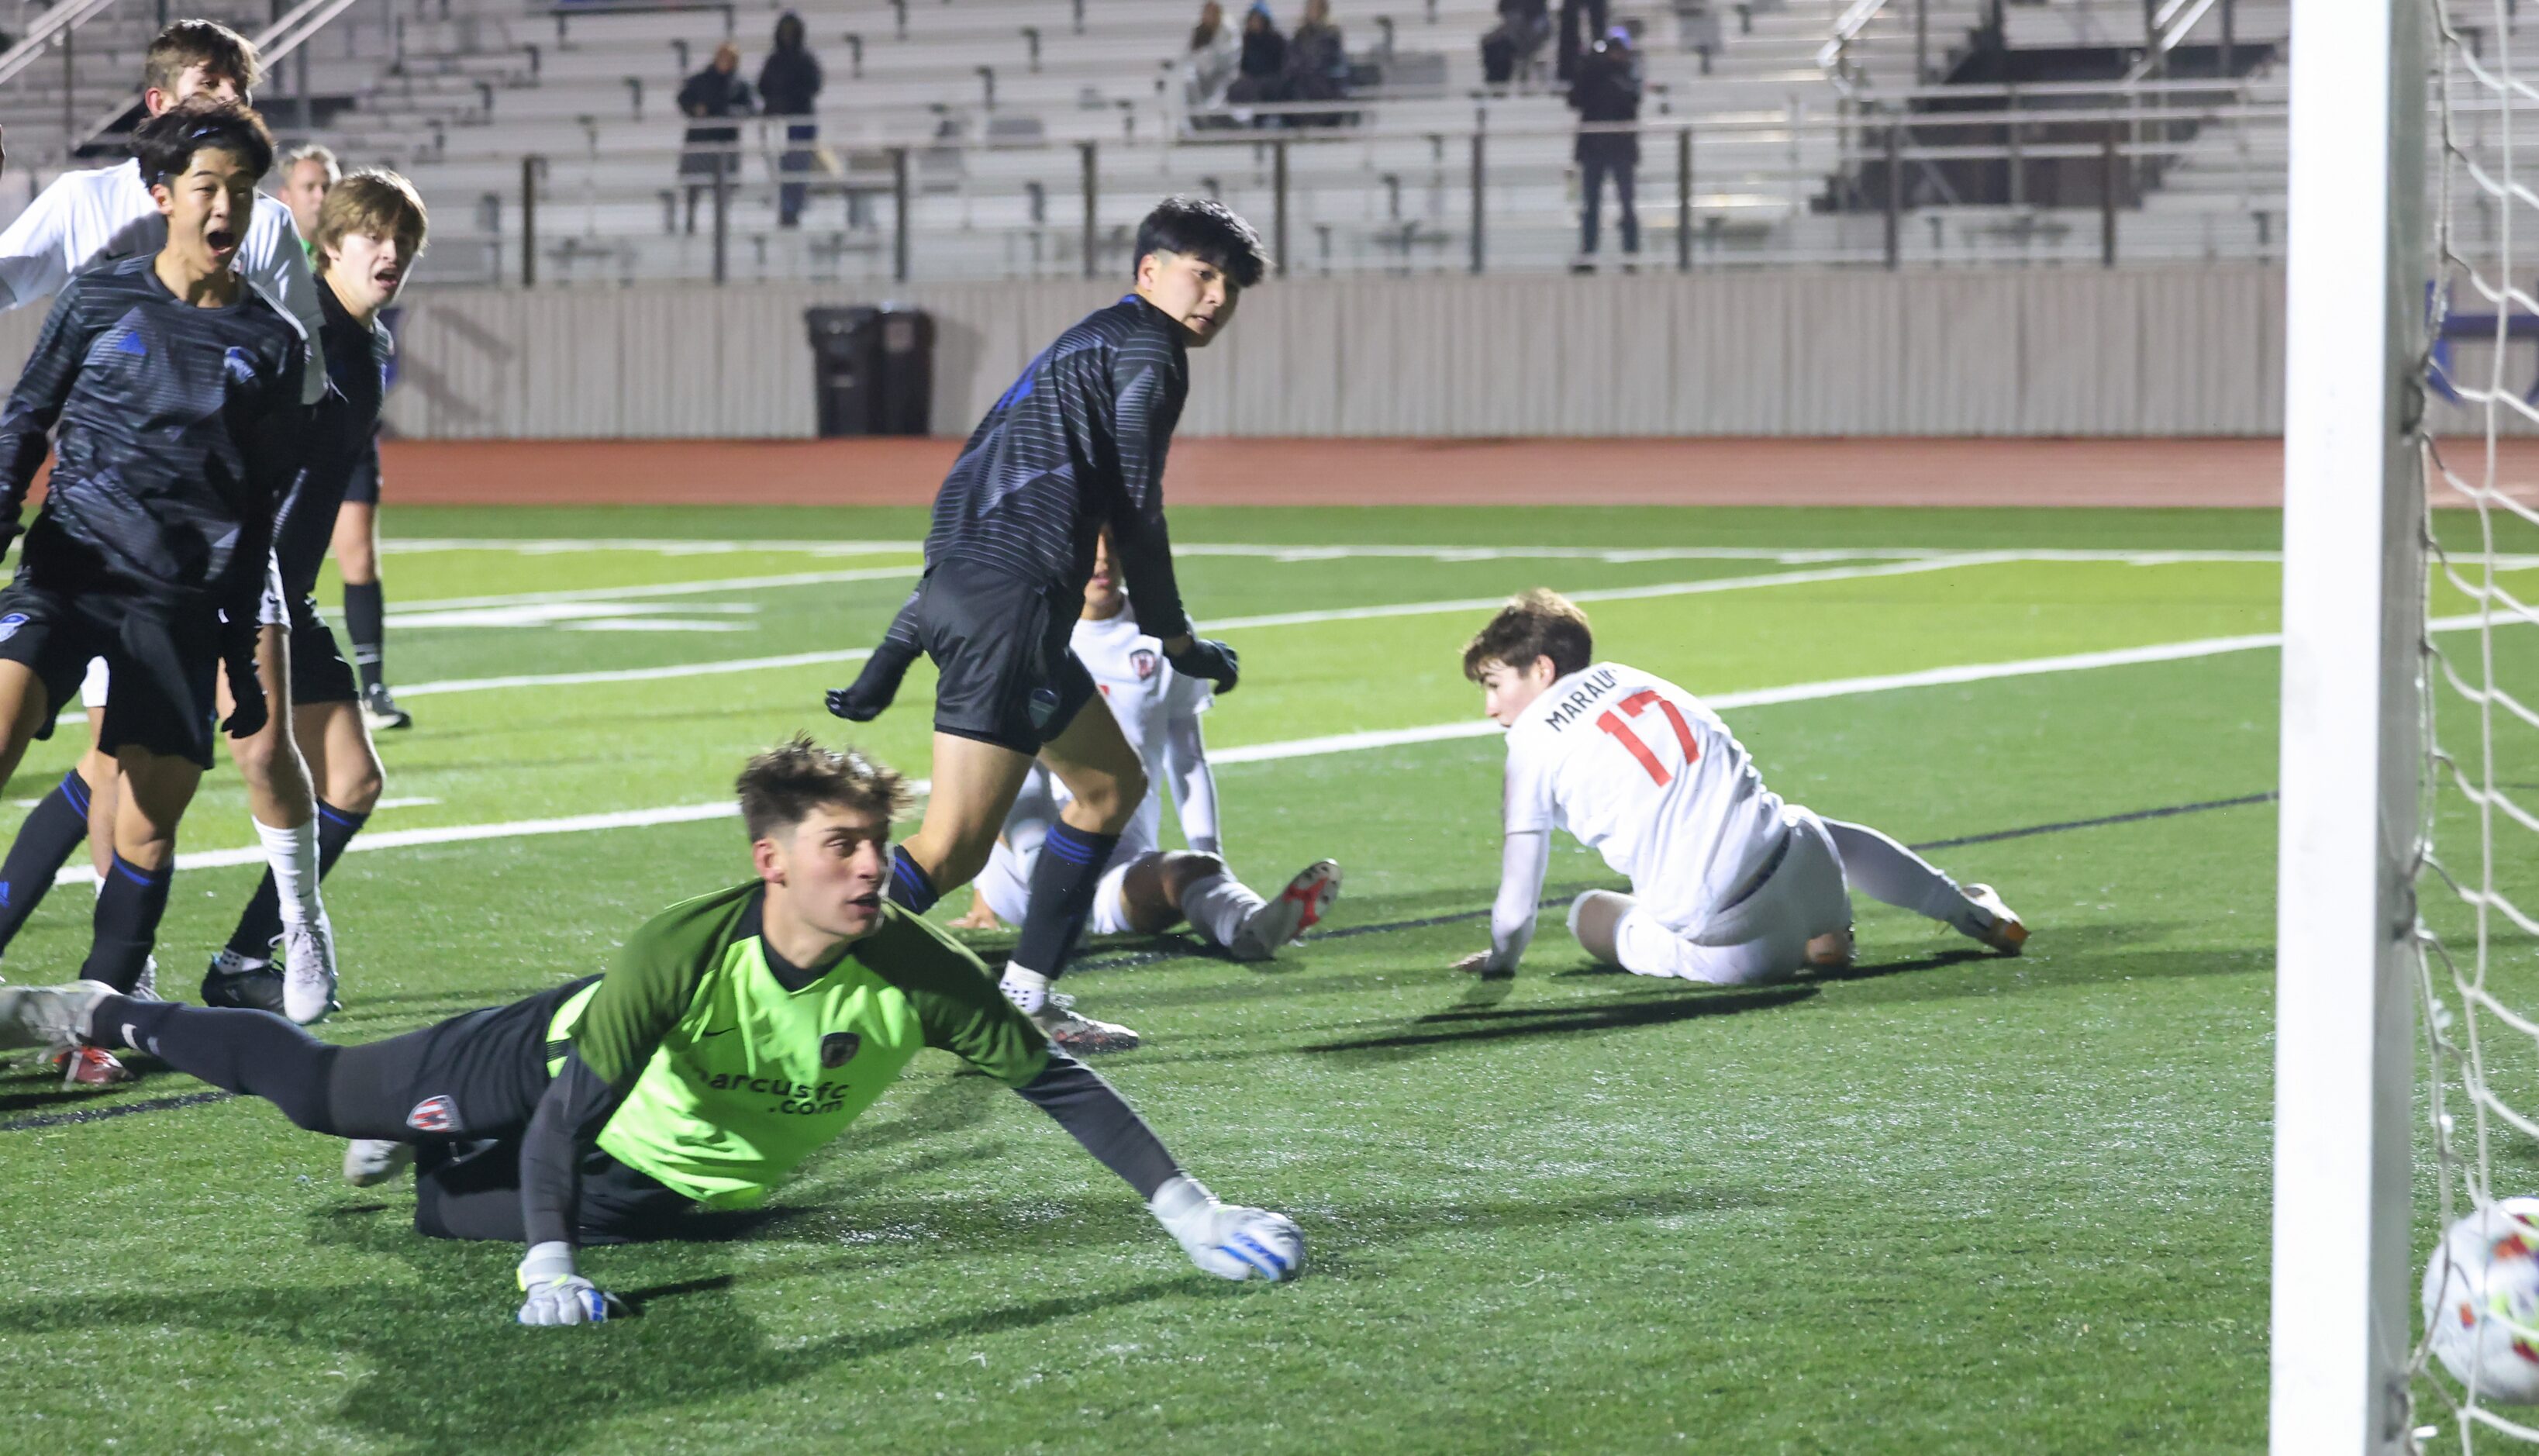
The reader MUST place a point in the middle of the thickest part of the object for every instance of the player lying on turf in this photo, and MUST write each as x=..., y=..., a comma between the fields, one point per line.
x=737, y=1033
x=1076, y=445
x=83, y=218
x=370, y=229
x=1729, y=884
x=175, y=388
x=1146, y=889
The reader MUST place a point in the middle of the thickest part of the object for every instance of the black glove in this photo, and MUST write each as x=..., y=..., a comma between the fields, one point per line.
x=876, y=685
x=249, y=712
x=1208, y=658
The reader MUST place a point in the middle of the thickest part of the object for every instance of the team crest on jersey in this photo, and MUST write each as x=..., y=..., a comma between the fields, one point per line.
x=239, y=363
x=10, y=624
x=1145, y=662
x=839, y=1048
x=434, y=1115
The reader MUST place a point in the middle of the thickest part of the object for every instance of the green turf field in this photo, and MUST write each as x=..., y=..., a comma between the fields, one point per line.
x=1942, y=1202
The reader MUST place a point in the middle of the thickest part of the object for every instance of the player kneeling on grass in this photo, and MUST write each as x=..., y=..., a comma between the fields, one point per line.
x=738, y=1032
x=1729, y=884
x=1145, y=888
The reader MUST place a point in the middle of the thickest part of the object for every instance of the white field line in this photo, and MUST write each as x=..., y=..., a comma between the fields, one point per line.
x=1841, y=687
x=664, y=589
x=633, y=674
x=1791, y=555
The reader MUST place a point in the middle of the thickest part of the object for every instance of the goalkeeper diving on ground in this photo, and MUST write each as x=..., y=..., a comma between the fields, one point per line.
x=737, y=1033
x=1728, y=883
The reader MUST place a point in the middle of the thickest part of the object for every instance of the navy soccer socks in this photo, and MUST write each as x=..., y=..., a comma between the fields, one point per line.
x=129, y=907
x=1063, y=880
x=45, y=843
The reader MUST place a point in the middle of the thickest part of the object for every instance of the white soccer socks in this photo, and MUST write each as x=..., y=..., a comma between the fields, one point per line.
x=1027, y=988
x=293, y=855
x=1883, y=870
x=1218, y=906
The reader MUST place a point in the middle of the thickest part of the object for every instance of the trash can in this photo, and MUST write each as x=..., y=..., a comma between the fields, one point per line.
x=872, y=370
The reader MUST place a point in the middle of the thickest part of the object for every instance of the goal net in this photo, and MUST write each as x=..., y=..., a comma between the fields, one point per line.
x=2407, y=1052
x=2477, y=864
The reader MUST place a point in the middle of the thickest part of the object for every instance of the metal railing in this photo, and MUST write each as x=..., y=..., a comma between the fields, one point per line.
x=2046, y=177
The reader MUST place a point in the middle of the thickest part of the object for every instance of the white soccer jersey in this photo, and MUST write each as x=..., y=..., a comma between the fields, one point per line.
x=89, y=217
x=1640, y=771
x=1146, y=695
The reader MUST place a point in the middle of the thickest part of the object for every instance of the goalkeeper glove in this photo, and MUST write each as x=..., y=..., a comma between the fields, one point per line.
x=1208, y=658
x=1228, y=1241
x=248, y=711
x=557, y=1294
x=876, y=685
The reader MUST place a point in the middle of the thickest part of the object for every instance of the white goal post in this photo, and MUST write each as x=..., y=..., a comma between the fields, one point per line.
x=2346, y=977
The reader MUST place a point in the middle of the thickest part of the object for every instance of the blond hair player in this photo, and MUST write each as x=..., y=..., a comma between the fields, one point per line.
x=1729, y=884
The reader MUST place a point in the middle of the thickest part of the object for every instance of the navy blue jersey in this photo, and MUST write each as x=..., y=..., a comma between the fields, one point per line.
x=1077, y=444
x=178, y=436
x=343, y=434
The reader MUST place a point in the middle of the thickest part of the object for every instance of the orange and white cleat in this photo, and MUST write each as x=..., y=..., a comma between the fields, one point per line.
x=1299, y=907
x=2004, y=932
x=91, y=1067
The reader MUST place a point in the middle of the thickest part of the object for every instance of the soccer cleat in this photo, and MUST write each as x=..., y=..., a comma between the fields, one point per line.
x=2004, y=931
x=91, y=1067
x=309, y=972
x=1298, y=907
x=244, y=983
x=380, y=711
x=1830, y=951
x=48, y=1017
x=1080, y=1036
x=147, y=988
x=372, y=1161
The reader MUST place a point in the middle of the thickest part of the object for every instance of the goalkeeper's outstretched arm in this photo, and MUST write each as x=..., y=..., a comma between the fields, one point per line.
x=1225, y=1240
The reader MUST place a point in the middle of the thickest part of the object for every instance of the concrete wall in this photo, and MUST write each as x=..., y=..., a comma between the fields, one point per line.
x=2087, y=352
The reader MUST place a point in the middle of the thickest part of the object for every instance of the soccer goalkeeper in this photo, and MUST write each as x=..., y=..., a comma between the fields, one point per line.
x=738, y=1032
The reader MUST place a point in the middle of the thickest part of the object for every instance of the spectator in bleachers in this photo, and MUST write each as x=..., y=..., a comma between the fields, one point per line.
x=1317, y=61
x=1607, y=90
x=788, y=86
x=1262, y=75
x=1209, y=65
x=1581, y=22
x=711, y=151
x=1524, y=25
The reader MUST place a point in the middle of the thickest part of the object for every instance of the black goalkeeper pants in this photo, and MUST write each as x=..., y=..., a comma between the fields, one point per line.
x=462, y=1090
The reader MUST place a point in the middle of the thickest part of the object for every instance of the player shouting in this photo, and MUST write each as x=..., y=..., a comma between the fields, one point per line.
x=1729, y=884
x=1146, y=889
x=81, y=219
x=366, y=234
x=177, y=390
x=738, y=1032
x=1075, y=445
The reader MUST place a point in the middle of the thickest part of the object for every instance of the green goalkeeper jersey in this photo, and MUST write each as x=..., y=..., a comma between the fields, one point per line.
x=728, y=1079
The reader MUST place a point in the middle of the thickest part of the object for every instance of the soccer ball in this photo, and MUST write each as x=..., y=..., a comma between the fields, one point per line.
x=2481, y=1301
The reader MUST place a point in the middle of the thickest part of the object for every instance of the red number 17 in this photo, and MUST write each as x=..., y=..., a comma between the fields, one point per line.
x=1636, y=704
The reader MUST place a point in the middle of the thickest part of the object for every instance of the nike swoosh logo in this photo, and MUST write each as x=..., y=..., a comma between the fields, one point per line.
x=727, y=1031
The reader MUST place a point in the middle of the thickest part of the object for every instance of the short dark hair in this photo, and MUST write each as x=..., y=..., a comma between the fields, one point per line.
x=166, y=143
x=1206, y=230
x=780, y=786
x=210, y=45
x=1541, y=623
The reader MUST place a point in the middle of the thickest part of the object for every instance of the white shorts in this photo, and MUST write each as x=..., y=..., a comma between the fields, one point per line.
x=273, y=609
x=1761, y=938
x=1005, y=884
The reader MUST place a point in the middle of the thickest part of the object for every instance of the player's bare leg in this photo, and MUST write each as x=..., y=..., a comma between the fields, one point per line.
x=1093, y=759
x=97, y=768
x=81, y=806
x=284, y=807
x=335, y=743
x=1162, y=889
x=973, y=789
x=1884, y=869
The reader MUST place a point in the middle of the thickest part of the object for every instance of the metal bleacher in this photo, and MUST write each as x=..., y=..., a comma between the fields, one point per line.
x=991, y=122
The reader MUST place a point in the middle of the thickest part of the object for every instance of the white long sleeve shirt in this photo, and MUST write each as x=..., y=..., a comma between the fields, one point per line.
x=89, y=217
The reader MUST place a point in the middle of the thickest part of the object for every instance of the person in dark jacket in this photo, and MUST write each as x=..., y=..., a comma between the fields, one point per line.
x=788, y=86
x=1317, y=61
x=1262, y=75
x=1608, y=92
x=713, y=152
